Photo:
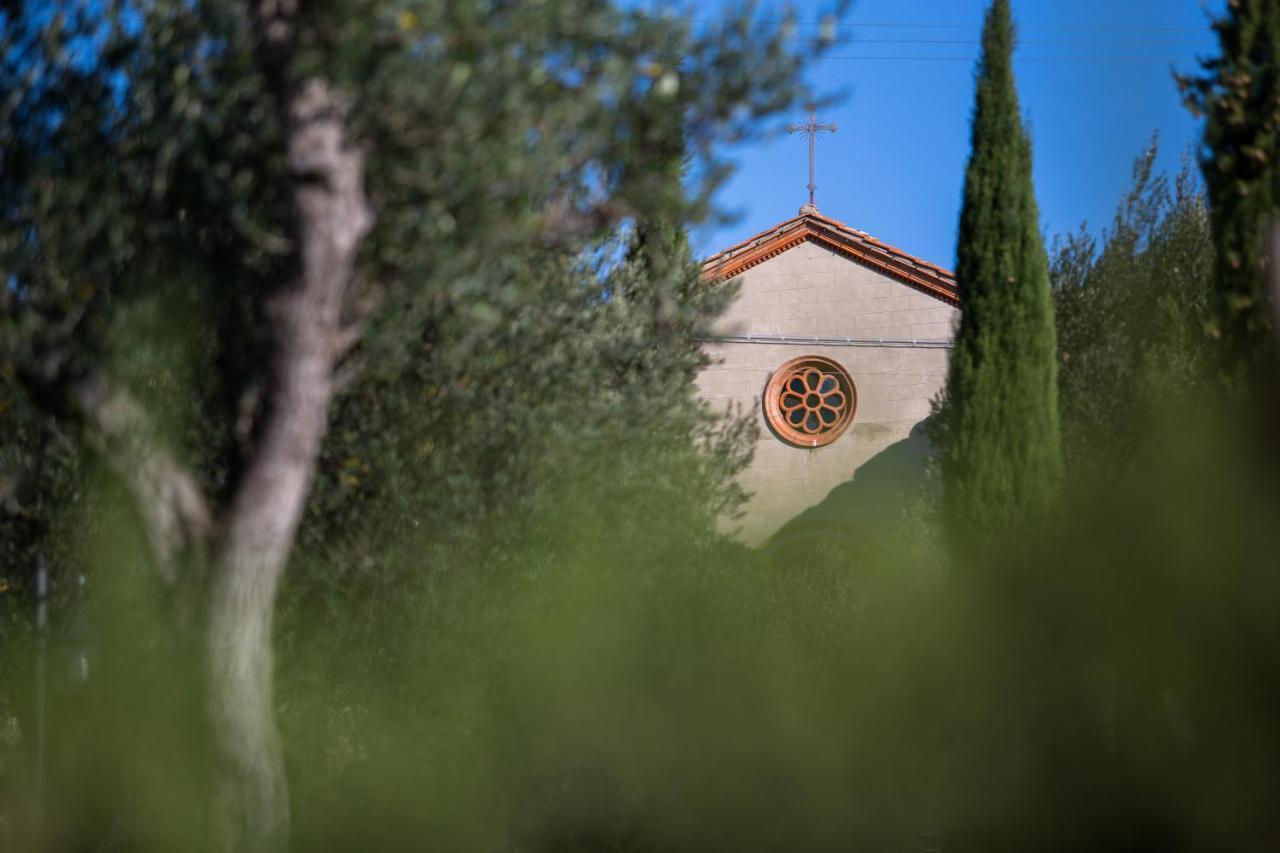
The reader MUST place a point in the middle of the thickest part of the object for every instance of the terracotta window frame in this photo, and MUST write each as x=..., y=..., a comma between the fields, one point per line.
x=820, y=413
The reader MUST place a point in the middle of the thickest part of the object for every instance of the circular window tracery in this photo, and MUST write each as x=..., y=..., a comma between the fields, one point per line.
x=810, y=401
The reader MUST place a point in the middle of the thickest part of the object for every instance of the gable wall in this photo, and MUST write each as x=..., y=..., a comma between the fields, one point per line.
x=810, y=290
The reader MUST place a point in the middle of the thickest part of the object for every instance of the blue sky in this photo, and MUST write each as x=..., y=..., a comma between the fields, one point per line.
x=896, y=167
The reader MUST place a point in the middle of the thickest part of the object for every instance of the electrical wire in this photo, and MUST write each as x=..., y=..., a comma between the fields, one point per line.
x=1082, y=60
x=1038, y=43
x=1026, y=29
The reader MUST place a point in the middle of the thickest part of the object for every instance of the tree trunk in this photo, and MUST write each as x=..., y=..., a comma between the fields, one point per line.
x=252, y=791
x=308, y=334
x=252, y=805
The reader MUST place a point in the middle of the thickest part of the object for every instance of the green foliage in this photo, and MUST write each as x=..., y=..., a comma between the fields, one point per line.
x=513, y=151
x=463, y=442
x=631, y=690
x=510, y=625
x=585, y=363
x=1001, y=408
x=1132, y=313
x=531, y=309
x=616, y=680
x=1240, y=97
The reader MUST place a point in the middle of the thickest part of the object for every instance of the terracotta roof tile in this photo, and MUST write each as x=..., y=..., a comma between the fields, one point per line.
x=834, y=235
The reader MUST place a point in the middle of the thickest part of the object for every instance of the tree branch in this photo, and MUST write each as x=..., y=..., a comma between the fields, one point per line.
x=173, y=507
x=172, y=503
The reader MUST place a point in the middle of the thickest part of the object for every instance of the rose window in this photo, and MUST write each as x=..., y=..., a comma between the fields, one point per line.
x=810, y=401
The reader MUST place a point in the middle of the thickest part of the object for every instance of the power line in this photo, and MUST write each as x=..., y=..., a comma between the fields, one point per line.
x=1054, y=29
x=853, y=41
x=1020, y=42
x=899, y=26
x=1063, y=59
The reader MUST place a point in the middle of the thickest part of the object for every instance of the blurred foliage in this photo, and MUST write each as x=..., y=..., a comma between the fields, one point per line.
x=533, y=308
x=614, y=679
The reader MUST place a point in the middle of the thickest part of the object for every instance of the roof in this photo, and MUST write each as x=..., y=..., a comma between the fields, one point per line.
x=813, y=227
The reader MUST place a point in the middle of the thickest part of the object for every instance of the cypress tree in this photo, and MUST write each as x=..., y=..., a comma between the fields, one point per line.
x=1001, y=406
x=1240, y=97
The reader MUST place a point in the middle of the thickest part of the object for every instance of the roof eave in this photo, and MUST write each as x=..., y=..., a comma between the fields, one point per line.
x=840, y=238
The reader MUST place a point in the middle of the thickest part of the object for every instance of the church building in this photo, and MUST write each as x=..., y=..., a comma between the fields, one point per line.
x=837, y=343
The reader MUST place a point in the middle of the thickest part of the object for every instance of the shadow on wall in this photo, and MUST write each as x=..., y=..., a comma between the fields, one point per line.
x=865, y=514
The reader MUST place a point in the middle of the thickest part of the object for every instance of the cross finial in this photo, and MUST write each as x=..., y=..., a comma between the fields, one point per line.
x=811, y=128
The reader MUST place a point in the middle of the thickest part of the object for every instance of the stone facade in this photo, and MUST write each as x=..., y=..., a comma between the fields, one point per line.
x=810, y=290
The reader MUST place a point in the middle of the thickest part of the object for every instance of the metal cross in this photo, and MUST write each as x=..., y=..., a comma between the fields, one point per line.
x=811, y=129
